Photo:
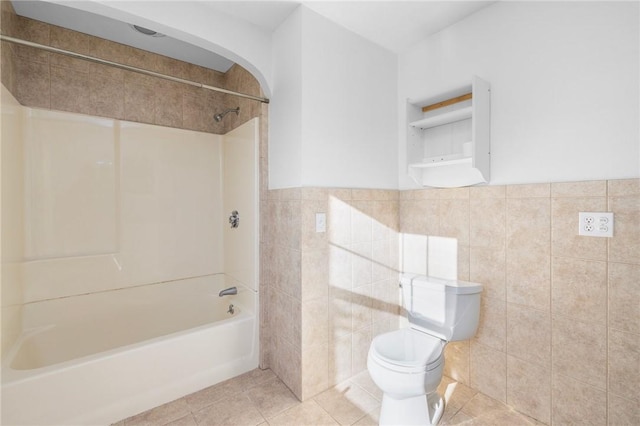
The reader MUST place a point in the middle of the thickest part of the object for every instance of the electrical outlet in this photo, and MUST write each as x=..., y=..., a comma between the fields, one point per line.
x=595, y=224
x=321, y=222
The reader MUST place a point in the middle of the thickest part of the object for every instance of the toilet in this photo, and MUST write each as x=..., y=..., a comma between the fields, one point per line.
x=407, y=364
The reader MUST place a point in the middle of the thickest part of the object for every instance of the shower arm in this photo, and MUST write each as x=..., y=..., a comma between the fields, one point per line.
x=220, y=116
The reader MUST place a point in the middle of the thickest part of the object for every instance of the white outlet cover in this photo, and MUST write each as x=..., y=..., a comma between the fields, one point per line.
x=321, y=222
x=595, y=224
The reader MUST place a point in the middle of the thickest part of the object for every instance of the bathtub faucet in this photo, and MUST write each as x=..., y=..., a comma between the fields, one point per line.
x=228, y=291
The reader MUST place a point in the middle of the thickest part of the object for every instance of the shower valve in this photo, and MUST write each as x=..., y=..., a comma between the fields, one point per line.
x=234, y=219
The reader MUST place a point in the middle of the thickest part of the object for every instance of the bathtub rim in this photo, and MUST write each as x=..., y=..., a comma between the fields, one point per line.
x=10, y=376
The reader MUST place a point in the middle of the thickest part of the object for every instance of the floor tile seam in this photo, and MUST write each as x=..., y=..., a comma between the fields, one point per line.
x=208, y=406
x=364, y=390
x=190, y=414
x=210, y=402
x=324, y=409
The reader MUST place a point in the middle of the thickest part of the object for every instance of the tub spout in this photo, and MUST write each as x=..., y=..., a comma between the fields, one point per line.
x=228, y=291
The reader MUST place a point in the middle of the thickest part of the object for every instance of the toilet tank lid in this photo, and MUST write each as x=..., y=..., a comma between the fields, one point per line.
x=441, y=284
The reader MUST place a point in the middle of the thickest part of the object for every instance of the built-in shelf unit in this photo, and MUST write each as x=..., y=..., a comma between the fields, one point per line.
x=448, y=137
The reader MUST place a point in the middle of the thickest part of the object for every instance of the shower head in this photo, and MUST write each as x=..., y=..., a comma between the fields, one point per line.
x=219, y=117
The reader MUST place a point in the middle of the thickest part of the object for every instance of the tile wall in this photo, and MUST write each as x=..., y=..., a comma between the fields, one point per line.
x=52, y=81
x=559, y=330
x=329, y=292
x=559, y=335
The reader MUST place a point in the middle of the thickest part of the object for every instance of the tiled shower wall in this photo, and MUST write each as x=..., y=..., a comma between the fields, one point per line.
x=52, y=81
x=329, y=292
x=559, y=335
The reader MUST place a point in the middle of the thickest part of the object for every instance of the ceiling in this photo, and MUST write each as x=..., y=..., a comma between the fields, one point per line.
x=394, y=25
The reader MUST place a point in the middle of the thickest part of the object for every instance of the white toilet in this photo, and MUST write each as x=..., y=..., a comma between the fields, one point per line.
x=407, y=364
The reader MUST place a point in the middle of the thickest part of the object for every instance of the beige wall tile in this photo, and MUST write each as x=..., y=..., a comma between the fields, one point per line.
x=139, y=102
x=107, y=96
x=360, y=349
x=288, y=365
x=488, y=371
x=487, y=267
x=419, y=217
x=339, y=221
x=580, y=351
x=536, y=190
x=33, y=87
x=487, y=222
x=315, y=370
x=529, y=389
x=580, y=289
x=624, y=297
x=313, y=193
x=315, y=323
x=385, y=215
x=340, y=267
x=362, y=264
x=340, y=312
x=492, y=327
x=623, y=187
x=168, y=105
x=624, y=365
x=528, y=334
x=623, y=411
x=383, y=266
x=576, y=403
x=71, y=90
x=564, y=230
x=594, y=188
x=454, y=219
x=362, y=307
x=492, y=191
x=456, y=363
x=361, y=222
x=625, y=244
x=340, y=350
x=464, y=263
x=529, y=252
x=315, y=274
x=453, y=193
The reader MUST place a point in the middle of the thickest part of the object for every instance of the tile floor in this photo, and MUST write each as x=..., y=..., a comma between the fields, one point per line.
x=260, y=398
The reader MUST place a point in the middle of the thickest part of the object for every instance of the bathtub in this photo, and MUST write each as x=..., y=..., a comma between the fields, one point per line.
x=102, y=357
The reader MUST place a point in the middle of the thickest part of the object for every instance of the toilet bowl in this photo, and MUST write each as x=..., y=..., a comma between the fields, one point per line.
x=407, y=364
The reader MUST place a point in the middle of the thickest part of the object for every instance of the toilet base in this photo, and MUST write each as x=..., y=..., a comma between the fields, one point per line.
x=419, y=410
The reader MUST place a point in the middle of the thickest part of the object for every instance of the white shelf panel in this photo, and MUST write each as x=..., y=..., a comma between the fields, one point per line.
x=443, y=160
x=441, y=119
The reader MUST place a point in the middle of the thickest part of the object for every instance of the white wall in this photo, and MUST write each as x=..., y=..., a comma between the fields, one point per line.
x=285, y=109
x=564, y=79
x=336, y=123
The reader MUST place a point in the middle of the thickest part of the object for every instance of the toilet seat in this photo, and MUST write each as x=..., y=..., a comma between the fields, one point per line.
x=407, y=351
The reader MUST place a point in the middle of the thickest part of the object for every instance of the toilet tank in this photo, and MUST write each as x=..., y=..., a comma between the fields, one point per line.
x=448, y=309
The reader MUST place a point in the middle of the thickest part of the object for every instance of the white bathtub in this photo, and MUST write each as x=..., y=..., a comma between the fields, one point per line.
x=99, y=358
